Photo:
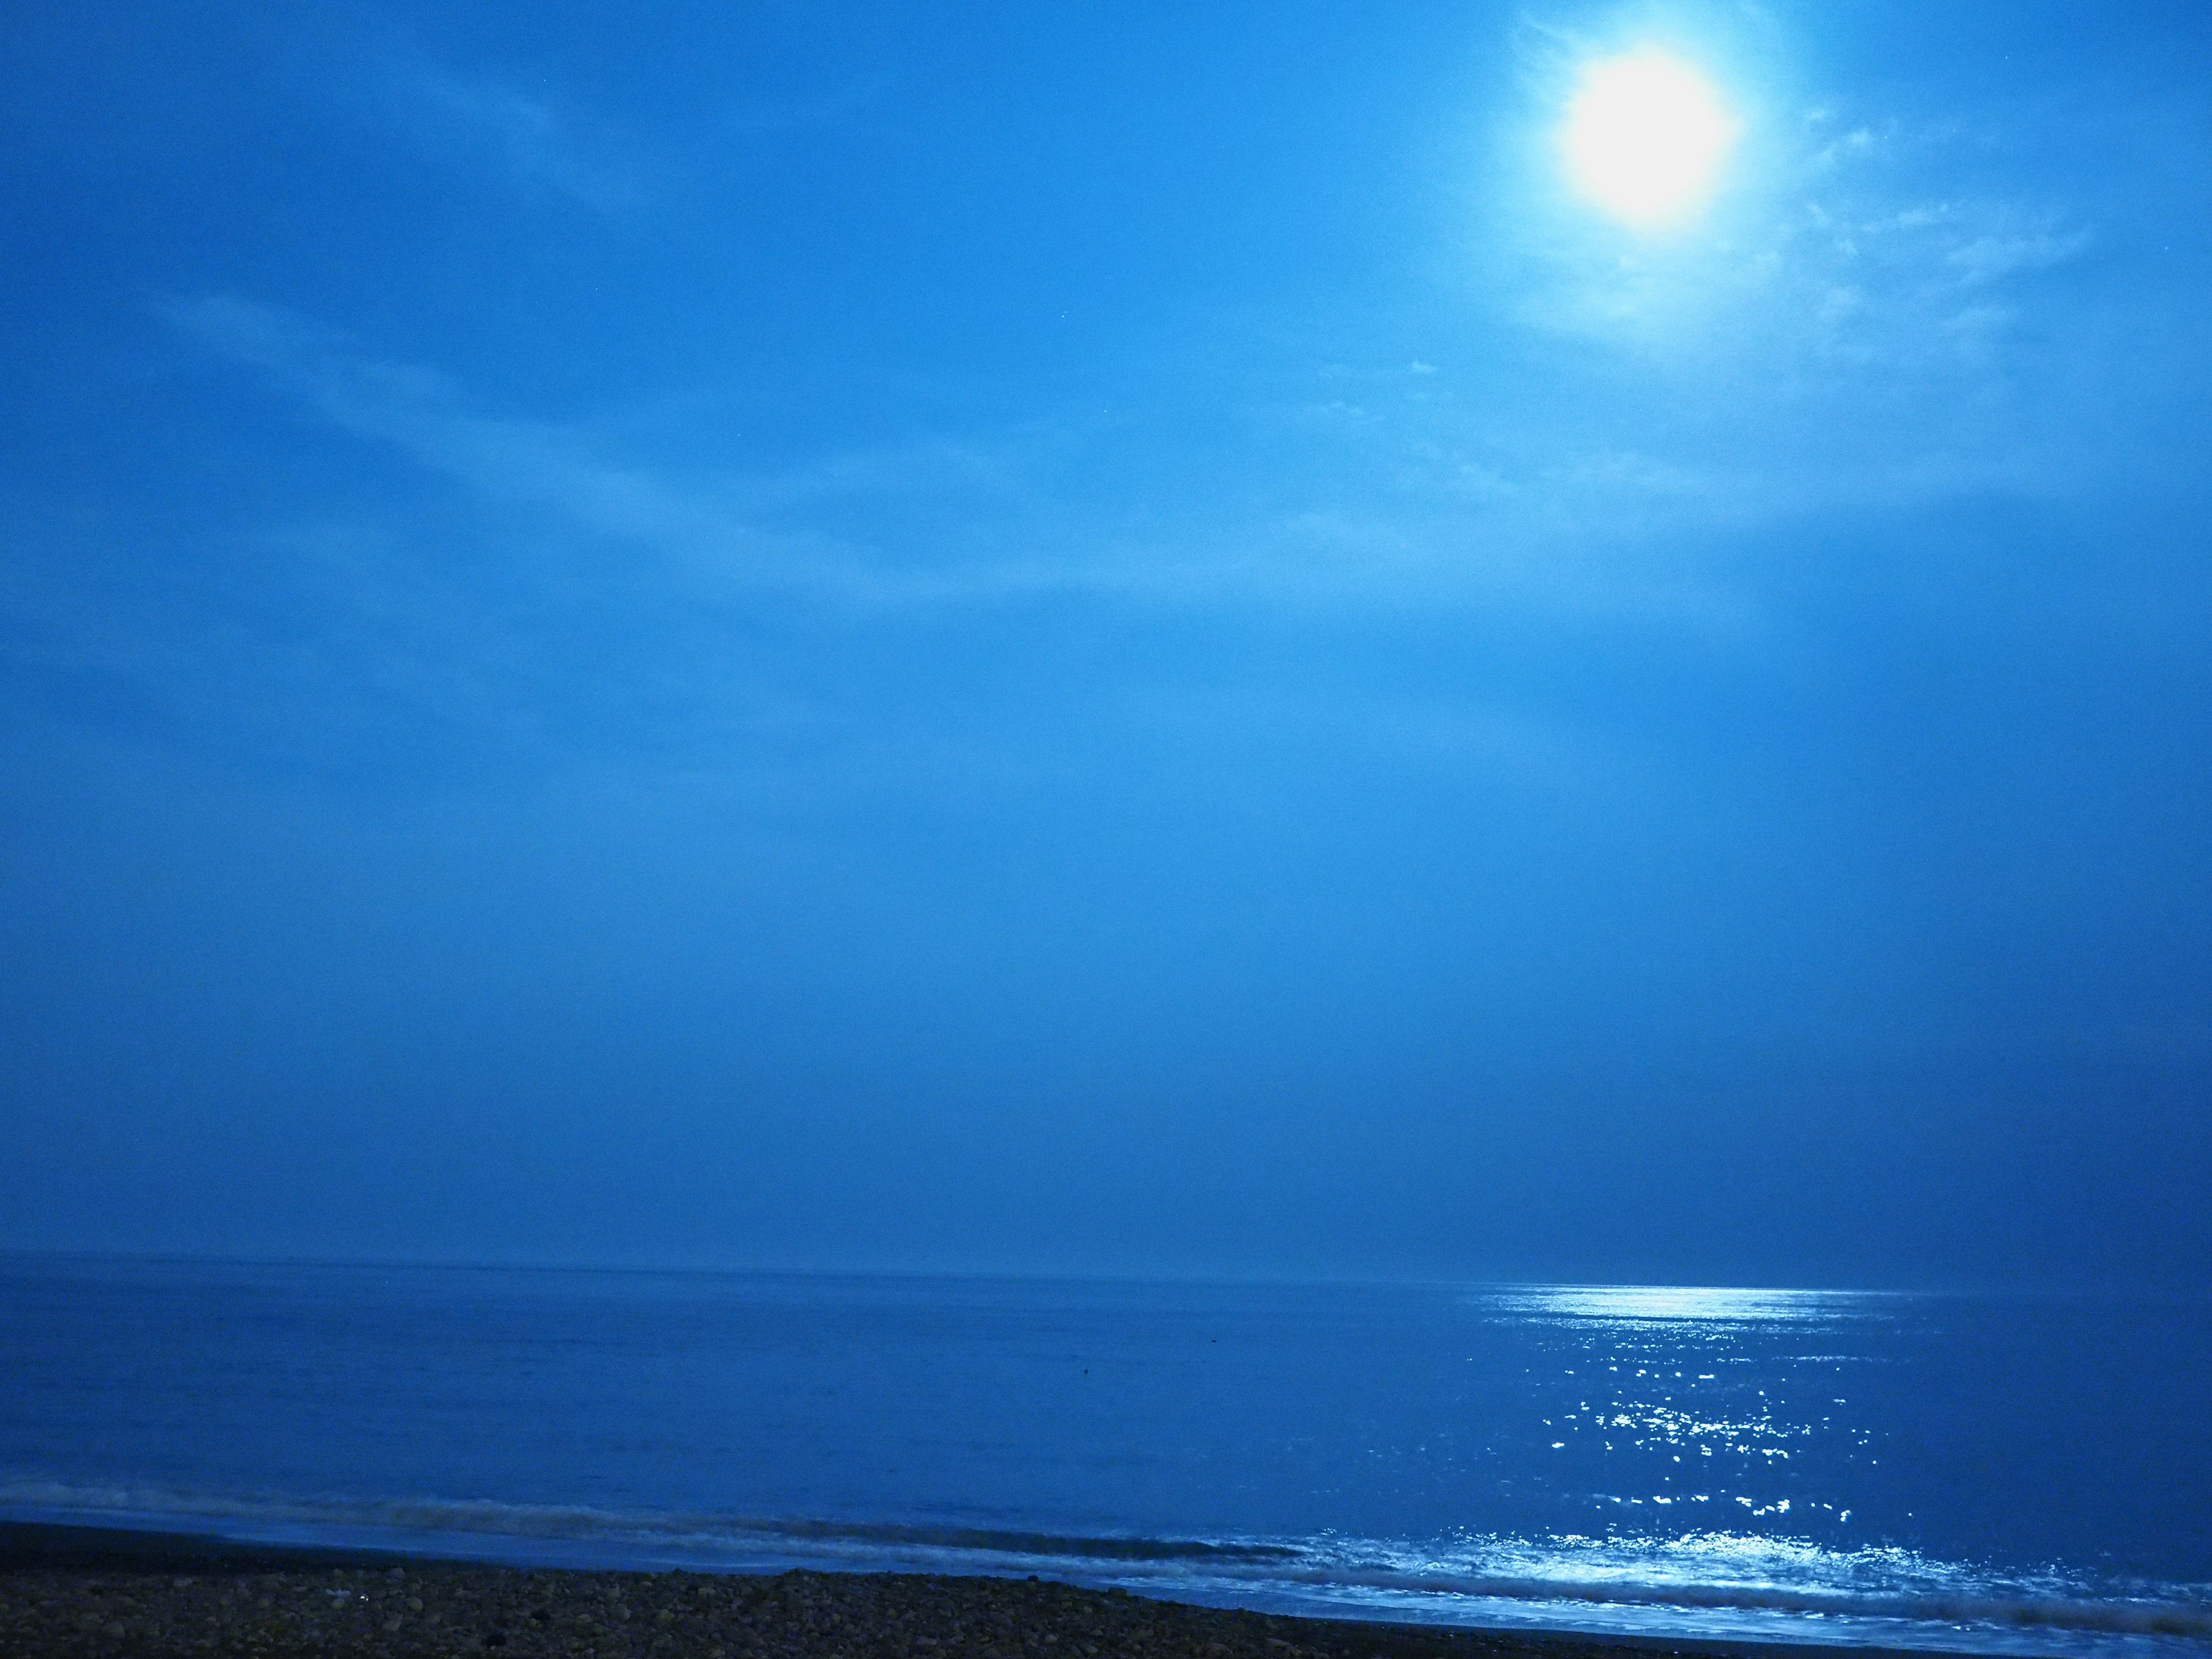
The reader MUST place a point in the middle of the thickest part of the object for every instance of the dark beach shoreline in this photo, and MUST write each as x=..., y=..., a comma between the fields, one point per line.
x=93, y=1591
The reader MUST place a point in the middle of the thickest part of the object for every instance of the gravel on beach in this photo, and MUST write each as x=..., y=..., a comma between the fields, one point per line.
x=441, y=1608
x=101, y=1593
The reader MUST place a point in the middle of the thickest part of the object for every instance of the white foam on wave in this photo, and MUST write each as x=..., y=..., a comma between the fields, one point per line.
x=1711, y=1585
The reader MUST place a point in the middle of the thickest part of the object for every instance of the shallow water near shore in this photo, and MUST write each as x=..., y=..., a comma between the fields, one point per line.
x=1996, y=1475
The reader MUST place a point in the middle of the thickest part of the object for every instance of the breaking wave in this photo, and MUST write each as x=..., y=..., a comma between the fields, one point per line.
x=1713, y=1585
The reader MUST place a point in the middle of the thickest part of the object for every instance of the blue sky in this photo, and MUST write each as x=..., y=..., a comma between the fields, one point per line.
x=969, y=637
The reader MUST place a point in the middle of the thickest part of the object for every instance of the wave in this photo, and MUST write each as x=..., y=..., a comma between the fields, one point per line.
x=2132, y=1616
x=489, y=1519
x=1793, y=1591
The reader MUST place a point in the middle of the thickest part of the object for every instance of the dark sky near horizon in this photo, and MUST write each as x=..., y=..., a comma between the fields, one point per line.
x=987, y=636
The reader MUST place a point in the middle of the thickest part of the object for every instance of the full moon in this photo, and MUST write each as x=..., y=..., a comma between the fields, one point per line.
x=1644, y=136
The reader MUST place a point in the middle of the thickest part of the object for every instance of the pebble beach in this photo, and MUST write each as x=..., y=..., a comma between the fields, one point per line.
x=117, y=1595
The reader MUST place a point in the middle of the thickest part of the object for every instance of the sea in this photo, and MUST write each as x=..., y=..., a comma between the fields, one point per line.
x=2003, y=1474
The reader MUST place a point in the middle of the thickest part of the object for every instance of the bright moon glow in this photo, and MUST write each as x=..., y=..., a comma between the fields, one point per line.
x=1644, y=135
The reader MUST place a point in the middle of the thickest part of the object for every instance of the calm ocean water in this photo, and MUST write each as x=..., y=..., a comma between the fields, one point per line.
x=2006, y=1475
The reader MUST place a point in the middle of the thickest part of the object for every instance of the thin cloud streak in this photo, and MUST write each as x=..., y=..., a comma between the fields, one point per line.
x=1871, y=328
x=487, y=122
x=1477, y=523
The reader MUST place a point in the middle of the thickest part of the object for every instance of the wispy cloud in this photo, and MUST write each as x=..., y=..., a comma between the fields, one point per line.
x=1391, y=499
x=1857, y=339
x=741, y=531
x=527, y=136
x=1855, y=253
x=422, y=412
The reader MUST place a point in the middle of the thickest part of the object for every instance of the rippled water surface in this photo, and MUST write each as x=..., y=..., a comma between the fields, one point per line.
x=2005, y=1474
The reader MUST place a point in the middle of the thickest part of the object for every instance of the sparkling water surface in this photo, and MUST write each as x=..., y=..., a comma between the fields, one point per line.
x=2001, y=1473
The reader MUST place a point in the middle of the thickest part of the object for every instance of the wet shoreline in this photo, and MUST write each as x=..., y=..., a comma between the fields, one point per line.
x=117, y=1594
